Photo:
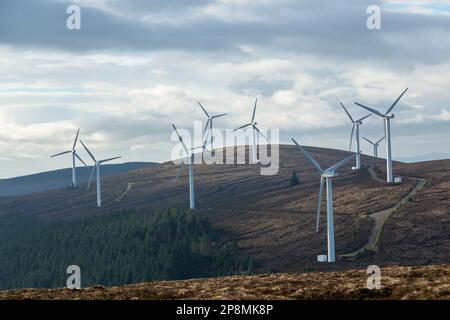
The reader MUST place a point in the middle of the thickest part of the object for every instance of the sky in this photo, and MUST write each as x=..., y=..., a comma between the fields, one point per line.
x=136, y=66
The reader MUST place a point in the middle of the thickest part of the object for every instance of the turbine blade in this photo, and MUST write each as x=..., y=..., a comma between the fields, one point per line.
x=341, y=163
x=380, y=140
x=257, y=130
x=219, y=115
x=76, y=139
x=348, y=114
x=364, y=118
x=254, y=110
x=61, y=153
x=311, y=159
x=370, y=109
x=319, y=204
x=351, y=137
x=181, y=140
x=368, y=141
x=395, y=102
x=90, y=177
x=206, y=126
x=109, y=159
x=242, y=127
x=78, y=157
x=90, y=154
x=203, y=109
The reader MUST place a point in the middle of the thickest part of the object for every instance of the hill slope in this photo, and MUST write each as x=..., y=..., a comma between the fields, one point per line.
x=274, y=222
x=57, y=179
x=428, y=282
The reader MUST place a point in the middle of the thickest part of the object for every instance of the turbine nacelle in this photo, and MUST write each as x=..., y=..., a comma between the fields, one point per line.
x=329, y=174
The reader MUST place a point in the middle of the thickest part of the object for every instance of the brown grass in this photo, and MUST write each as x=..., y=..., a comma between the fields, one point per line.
x=426, y=282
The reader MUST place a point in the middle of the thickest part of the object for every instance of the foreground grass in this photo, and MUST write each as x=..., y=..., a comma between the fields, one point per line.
x=425, y=282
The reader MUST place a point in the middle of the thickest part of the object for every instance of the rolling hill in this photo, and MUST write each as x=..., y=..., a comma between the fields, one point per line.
x=57, y=179
x=273, y=222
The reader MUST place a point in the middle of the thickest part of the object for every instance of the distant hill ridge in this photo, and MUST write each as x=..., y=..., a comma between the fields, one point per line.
x=62, y=178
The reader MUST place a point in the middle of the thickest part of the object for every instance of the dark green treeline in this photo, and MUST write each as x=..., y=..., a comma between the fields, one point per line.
x=113, y=249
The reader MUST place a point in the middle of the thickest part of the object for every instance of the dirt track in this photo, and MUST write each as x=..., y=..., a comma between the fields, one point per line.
x=381, y=217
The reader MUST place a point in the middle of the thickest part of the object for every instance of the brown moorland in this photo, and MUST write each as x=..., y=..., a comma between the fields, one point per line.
x=425, y=282
x=275, y=222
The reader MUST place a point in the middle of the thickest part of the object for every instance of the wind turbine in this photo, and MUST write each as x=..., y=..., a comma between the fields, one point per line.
x=210, y=122
x=191, y=169
x=74, y=155
x=96, y=168
x=375, y=146
x=255, y=131
x=387, y=130
x=356, y=124
x=326, y=175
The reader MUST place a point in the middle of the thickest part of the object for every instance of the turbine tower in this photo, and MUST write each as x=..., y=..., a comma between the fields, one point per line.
x=375, y=146
x=355, y=131
x=326, y=175
x=96, y=168
x=74, y=155
x=387, y=130
x=210, y=123
x=255, y=131
x=191, y=169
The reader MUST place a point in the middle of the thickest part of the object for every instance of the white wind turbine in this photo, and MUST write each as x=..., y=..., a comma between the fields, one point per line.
x=210, y=123
x=326, y=175
x=375, y=146
x=191, y=168
x=387, y=130
x=355, y=132
x=73, y=151
x=255, y=131
x=96, y=168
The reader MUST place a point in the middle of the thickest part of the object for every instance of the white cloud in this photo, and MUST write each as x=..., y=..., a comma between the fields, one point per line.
x=443, y=116
x=124, y=100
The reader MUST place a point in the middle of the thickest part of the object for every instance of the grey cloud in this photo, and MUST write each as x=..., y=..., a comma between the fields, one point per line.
x=336, y=29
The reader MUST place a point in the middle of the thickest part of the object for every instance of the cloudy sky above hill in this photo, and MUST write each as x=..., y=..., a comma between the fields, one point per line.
x=138, y=65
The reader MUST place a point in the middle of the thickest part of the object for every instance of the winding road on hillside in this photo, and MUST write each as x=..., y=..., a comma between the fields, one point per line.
x=129, y=186
x=380, y=217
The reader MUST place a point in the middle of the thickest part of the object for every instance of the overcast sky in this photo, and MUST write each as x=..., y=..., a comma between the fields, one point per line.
x=138, y=65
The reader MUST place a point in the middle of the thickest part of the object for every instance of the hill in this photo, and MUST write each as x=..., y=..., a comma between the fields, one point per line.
x=426, y=282
x=62, y=178
x=273, y=222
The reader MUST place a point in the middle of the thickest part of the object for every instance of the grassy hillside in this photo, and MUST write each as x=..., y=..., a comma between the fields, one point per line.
x=273, y=221
x=426, y=282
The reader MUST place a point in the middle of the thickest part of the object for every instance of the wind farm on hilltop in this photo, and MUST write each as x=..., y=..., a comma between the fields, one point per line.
x=225, y=149
x=270, y=221
x=274, y=224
